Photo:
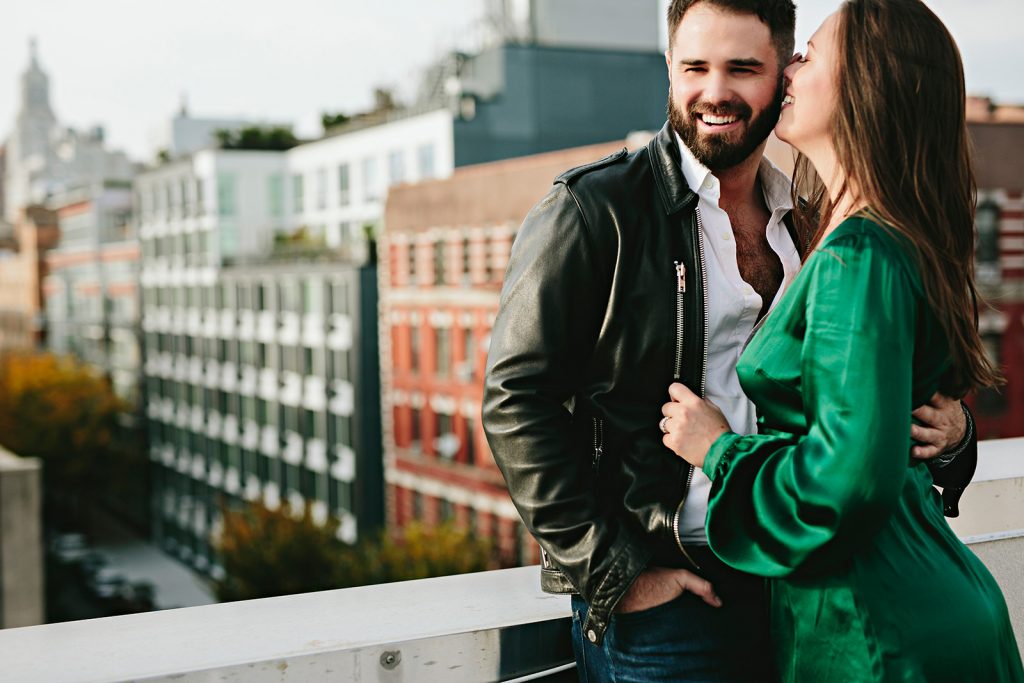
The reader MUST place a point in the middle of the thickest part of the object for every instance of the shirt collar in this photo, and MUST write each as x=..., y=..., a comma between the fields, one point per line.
x=774, y=183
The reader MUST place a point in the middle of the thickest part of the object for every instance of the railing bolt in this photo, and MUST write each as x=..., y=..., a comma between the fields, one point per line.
x=391, y=659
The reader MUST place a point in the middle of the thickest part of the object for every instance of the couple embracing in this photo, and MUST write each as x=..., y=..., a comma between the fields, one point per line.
x=698, y=380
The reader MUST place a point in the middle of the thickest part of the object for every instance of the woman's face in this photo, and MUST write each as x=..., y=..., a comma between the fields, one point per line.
x=811, y=87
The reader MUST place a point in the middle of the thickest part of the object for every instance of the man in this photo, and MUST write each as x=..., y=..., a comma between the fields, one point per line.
x=634, y=272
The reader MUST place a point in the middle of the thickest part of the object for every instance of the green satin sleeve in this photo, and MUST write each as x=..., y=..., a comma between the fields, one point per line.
x=786, y=503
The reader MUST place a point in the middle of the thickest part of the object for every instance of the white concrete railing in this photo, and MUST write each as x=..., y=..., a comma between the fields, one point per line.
x=491, y=626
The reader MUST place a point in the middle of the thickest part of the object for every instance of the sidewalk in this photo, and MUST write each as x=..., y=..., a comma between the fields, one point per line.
x=175, y=584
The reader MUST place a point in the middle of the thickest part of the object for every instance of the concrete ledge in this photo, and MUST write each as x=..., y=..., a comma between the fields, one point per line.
x=476, y=627
x=489, y=626
x=21, y=541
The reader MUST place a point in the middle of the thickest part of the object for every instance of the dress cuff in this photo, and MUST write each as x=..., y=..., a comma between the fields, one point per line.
x=717, y=460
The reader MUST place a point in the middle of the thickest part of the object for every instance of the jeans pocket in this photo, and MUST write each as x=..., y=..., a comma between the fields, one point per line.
x=579, y=645
x=647, y=614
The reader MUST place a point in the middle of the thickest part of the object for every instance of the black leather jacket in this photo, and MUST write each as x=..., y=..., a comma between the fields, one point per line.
x=604, y=305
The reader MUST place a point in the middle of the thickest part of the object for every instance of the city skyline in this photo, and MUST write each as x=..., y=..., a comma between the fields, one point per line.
x=131, y=73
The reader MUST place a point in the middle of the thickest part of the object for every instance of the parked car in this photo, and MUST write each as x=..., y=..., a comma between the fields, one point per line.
x=106, y=583
x=68, y=548
x=133, y=597
x=92, y=562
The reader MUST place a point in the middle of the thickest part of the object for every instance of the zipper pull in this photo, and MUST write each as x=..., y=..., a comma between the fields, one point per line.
x=680, y=276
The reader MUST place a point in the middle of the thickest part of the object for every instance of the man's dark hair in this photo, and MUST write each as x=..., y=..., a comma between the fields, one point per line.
x=779, y=15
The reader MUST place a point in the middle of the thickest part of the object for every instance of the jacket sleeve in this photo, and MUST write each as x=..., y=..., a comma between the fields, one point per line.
x=552, y=307
x=961, y=462
x=782, y=504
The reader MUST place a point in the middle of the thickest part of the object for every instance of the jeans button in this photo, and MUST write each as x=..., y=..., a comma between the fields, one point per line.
x=592, y=636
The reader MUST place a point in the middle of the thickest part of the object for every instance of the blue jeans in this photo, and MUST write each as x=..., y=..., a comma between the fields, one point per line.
x=685, y=639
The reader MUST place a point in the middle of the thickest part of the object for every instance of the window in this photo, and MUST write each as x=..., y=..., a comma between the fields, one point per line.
x=439, y=263
x=341, y=493
x=275, y=195
x=445, y=443
x=445, y=510
x=414, y=348
x=414, y=423
x=469, y=353
x=200, y=198
x=186, y=200
x=308, y=425
x=248, y=408
x=987, y=252
x=412, y=262
x=346, y=233
x=341, y=429
x=298, y=193
x=321, y=188
x=309, y=487
x=244, y=296
x=288, y=297
x=991, y=401
x=371, y=192
x=339, y=364
x=487, y=269
x=425, y=157
x=470, y=441
x=466, y=261
x=290, y=359
x=312, y=296
x=443, y=339
x=343, y=185
x=227, y=189
x=339, y=297
x=396, y=167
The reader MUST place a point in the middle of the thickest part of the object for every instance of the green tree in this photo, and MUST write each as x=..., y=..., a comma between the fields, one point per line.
x=272, y=138
x=266, y=553
x=329, y=120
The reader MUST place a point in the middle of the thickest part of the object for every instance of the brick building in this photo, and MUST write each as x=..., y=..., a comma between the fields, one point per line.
x=999, y=163
x=444, y=250
x=22, y=271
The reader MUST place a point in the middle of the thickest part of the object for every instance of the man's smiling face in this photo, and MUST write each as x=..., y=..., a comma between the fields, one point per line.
x=726, y=83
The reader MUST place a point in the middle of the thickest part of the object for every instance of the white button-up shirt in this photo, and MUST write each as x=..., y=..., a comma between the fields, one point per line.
x=733, y=306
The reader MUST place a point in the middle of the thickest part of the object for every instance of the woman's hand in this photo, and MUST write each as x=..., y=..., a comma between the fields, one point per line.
x=690, y=425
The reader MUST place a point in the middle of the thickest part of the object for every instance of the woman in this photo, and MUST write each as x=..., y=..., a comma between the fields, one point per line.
x=868, y=581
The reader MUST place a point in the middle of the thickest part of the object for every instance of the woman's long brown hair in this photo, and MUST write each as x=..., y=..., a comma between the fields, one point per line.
x=900, y=136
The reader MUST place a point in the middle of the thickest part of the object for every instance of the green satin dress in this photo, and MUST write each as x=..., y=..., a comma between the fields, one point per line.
x=867, y=581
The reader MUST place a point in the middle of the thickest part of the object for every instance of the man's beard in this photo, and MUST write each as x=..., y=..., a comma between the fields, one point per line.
x=719, y=152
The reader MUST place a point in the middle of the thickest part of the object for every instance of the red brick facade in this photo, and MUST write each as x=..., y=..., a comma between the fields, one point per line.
x=445, y=248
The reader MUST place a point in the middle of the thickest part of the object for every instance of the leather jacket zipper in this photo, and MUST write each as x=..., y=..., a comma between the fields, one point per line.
x=680, y=340
x=598, y=442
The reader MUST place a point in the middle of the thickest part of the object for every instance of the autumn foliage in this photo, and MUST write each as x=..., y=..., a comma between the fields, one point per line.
x=60, y=410
x=277, y=552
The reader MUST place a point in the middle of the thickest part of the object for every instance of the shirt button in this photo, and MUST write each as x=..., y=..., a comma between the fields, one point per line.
x=709, y=183
x=592, y=636
x=726, y=236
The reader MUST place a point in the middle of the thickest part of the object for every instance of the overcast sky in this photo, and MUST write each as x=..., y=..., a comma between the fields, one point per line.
x=126, y=63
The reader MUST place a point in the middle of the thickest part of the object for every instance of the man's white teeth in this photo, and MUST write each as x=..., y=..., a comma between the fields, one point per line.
x=719, y=120
x=788, y=99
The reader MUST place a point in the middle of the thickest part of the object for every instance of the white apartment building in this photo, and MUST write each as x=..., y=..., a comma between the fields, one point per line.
x=261, y=375
x=337, y=185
